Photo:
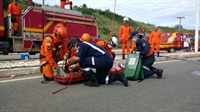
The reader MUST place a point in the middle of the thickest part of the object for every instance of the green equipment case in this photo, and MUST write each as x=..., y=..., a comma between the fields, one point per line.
x=133, y=68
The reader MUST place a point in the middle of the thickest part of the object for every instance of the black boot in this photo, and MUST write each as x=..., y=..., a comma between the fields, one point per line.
x=71, y=5
x=131, y=52
x=92, y=81
x=123, y=56
x=120, y=77
x=158, y=72
x=158, y=54
x=15, y=33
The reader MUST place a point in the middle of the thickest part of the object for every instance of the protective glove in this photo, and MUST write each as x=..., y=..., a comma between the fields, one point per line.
x=137, y=52
x=66, y=56
x=72, y=67
x=9, y=15
x=56, y=70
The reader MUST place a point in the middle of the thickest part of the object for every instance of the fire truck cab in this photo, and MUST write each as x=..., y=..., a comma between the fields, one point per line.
x=38, y=22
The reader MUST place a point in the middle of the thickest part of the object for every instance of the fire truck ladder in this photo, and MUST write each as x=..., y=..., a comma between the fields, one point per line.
x=70, y=19
x=32, y=43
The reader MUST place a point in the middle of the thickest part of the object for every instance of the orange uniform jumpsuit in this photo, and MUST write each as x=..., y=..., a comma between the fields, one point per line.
x=15, y=10
x=124, y=34
x=50, y=50
x=59, y=25
x=65, y=2
x=133, y=43
x=149, y=38
x=156, y=40
x=104, y=44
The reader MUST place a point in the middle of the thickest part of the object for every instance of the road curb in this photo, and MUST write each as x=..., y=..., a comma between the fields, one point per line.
x=33, y=70
x=19, y=72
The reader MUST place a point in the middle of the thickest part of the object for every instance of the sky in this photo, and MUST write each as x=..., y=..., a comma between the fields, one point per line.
x=156, y=12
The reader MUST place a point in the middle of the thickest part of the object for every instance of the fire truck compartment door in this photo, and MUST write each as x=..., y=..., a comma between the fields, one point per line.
x=75, y=30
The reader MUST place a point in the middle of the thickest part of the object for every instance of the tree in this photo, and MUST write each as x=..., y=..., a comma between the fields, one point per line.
x=56, y=6
x=6, y=3
x=84, y=6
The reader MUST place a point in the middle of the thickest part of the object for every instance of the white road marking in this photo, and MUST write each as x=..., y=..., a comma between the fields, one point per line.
x=20, y=79
x=167, y=61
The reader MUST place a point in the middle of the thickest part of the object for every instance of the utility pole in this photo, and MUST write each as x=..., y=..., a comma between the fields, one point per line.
x=197, y=25
x=179, y=27
x=42, y=2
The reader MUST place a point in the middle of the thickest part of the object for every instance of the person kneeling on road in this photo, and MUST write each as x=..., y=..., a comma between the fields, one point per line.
x=147, y=55
x=108, y=45
x=95, y=62
x=53, y=49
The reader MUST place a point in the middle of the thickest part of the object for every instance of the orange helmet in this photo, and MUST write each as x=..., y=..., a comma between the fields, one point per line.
x=60, y=33
x=62, y=21
x=85, y=37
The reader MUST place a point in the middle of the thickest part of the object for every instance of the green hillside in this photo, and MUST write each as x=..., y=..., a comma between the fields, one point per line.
x=104, y=19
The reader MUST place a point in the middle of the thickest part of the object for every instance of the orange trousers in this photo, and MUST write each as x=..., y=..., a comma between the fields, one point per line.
x=63, y=3
x=126, y=45
x=47, y=71
x=16, y=25
x=133, y=46
x=157, y=45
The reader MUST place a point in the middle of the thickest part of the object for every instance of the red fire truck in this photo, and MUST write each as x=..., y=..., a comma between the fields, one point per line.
x=168, y=41
x=37, y=23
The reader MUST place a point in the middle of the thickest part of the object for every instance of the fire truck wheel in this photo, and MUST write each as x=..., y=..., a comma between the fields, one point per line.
x=171, y=50
x=5, y=51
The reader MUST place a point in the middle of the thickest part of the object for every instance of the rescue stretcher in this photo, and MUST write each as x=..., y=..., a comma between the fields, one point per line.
x=78, y=75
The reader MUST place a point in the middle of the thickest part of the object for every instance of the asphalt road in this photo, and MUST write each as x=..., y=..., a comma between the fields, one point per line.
x=177, y=91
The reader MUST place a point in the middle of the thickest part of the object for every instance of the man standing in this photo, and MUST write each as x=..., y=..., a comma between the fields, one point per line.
x=149, y=37
x=133, y=43
x=14, y=11
x=65, y=2
x=156, y=40
x=124, y=34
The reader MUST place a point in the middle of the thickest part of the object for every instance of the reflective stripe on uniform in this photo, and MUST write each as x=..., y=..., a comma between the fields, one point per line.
x=42, y=63
x=98, y=49
x=86, y=69
x=146, y=68
x=107, y=79
x=93, y=63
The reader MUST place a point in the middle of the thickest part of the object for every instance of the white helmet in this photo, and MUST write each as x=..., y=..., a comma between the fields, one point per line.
x=125, y=19
x=113, y=41
x=155, y=27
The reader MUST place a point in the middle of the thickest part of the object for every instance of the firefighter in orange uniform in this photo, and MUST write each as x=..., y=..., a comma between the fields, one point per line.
x=149, y=37
x=14, y=11
x=124, y=34
x=65, y=2
x=156, y=40
x=53, y=49
x=108, y=45
x=133, y=43
x=61, y=23
x=85, y=37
